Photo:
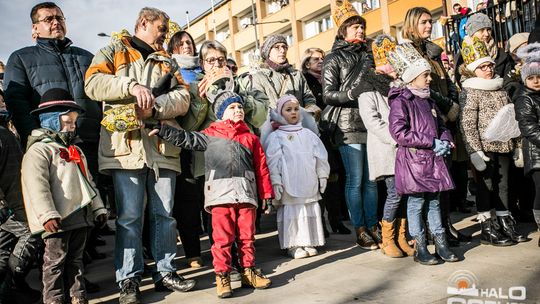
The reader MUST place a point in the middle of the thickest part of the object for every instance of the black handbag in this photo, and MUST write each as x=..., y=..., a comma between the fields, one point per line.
x=329, y=123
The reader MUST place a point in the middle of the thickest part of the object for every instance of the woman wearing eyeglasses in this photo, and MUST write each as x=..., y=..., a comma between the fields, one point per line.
x=481, y=99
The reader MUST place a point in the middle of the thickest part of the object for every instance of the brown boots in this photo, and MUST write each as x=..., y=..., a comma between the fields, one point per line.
x=252, y=277
x=388, y=246
x=402, y=237
x=223, y=285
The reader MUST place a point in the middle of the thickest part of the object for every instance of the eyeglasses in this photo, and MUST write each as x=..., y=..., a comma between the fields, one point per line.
x=50, y=19
x=281, y=46
x=212, y=60
x=486, y=67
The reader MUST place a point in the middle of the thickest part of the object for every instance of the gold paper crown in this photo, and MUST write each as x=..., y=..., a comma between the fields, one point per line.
x=120, y=35
x=381, y=46
x=341, y=11
x=403, y=56
x=121, y=119
x=473, y=50
x=173, y=29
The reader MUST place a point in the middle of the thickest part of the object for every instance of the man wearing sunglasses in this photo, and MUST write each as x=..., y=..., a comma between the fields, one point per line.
x=141, y=166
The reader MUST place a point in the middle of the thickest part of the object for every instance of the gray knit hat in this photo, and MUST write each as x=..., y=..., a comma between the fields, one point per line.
x=270, y=42
x=477, y=22
x=530, y=56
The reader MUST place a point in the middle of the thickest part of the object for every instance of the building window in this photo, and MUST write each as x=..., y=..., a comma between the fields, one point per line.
x=222, y=34
x=318, y=25
x=364, y=6
x=247, y=56
x=273, y=6
x=245, y=21
x=437, y=28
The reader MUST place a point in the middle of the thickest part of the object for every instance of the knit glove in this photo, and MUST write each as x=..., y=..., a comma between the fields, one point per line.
x=518, y=158
x=441, y=147
x=479, y=159
x=322, y=184
x=278, y=190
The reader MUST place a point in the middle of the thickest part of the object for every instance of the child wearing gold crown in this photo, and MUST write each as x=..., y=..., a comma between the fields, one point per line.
x=420, y=170
x=480, y=101
x=381, y=148
x=527, y=109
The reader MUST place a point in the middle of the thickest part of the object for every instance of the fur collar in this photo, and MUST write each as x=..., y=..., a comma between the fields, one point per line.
x=484, y=84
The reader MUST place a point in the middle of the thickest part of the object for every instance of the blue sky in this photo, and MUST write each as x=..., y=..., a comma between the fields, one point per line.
x=86, y=18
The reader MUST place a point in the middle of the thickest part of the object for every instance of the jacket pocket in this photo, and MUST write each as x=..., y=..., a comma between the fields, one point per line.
x=115, y=143
x=166, y=149
x=251, y=184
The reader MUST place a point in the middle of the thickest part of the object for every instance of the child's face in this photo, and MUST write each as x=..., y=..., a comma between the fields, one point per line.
x=533, y=82
x=68, y=122
x=291, y=112
x=485, y=71
x=234, y=112
x=422, y=81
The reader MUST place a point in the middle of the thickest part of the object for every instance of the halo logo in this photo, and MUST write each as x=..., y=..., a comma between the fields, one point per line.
x=464, y=287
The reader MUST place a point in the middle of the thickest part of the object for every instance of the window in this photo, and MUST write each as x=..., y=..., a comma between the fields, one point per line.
x=363, y=6
x=245, y=20
x=273, y=6
x=222, y=34
x=247, y=56
x=317, y=25
x=437, y=28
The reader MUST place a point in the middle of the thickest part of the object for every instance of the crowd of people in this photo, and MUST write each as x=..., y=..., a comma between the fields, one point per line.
x=188, y=145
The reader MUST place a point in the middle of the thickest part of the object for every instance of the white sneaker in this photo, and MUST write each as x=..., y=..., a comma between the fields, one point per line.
x=297, y=253
x=310, y=251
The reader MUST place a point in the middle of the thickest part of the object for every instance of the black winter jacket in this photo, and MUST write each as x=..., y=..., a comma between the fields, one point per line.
x=343, y=69
x=51, y=63
x=527, y=106
x=316, y=88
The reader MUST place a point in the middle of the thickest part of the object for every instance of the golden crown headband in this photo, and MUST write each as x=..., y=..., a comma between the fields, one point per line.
x=173, y=29
x=341, y=11
x=381, y=49
x=474, y=53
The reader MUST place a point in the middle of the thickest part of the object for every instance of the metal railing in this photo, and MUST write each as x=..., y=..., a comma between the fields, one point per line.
x=508, y=16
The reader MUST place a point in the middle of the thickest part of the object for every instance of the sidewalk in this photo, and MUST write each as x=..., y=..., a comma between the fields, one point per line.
x=344, y=273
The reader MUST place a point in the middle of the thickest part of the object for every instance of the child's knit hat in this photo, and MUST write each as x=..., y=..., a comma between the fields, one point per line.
x=407, y=62
x=530, y=55
x=223, y=100
x=283, y=100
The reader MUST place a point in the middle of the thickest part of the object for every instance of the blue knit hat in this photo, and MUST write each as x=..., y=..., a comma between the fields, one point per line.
x=223, y=100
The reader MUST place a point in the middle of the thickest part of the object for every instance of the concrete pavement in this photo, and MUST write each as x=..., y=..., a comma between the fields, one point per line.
x=344, y=273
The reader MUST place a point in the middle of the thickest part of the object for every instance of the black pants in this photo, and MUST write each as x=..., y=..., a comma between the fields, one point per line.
x=63, y=264
x=492, y=183
x=536, y=178
x=18, y=248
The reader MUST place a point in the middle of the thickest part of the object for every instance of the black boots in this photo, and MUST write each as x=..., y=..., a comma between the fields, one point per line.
x=174, y=282
x=508, y=227
x=453, y=236
x=442, y=248
x=338, y=227
x=491, y=236
x=421, y=253
x=536, y=214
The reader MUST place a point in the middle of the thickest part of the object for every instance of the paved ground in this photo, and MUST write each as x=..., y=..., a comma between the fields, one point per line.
x=344, y=273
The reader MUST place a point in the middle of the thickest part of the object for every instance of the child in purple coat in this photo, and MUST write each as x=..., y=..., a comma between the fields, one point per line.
x=423, y=141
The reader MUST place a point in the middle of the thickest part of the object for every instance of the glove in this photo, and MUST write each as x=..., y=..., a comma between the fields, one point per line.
x=101, y=220
x=278, y=190
x=449, y=147
x=268, y=207
x=518, y=158
x=440, y=147
x=479, y=159
x=322, y=184
x=5, y=212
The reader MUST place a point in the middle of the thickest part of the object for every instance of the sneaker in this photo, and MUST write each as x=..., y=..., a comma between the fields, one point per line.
x=364, y=240
x=310, y=251
x=129, y=292
x=195, y=262
x=174, y=282
x=252, y=277
x=297, y=253
x=223, y=285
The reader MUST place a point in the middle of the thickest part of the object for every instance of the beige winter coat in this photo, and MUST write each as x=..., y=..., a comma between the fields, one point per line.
x=116, y=69
x=54, y=187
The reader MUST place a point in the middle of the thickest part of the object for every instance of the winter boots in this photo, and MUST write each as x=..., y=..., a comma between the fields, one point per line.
x=442, y=248
x=402, y=237
x=508, y=227
x=491, y=236
x=223, y=285
x=421, y=254
x=388, y=246
x=252, y=277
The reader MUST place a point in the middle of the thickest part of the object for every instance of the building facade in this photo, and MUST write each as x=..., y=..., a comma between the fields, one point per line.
x=305, y=23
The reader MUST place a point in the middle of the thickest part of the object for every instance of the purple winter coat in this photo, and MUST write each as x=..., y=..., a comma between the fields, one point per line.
x=414, y=124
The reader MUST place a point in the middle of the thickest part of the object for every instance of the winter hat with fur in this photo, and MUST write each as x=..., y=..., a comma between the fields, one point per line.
x=270, y=42
x=530, y=55
x=477, y=22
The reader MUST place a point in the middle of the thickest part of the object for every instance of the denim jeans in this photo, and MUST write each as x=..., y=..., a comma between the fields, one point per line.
x=360, y=192
x=393, y=199
x=130, y=189
x=415, y=206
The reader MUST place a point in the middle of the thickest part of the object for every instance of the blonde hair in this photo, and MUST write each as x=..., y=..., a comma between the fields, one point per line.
x=151, y=14
x=410, y=25
x=307, y=55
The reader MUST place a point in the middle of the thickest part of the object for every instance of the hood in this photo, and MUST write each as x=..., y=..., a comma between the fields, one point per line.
x=399, y=91
x=228, y=128
x=340, y=44
x=378, y=82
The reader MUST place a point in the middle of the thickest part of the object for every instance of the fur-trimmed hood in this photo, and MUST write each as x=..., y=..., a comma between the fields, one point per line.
x=275, y=120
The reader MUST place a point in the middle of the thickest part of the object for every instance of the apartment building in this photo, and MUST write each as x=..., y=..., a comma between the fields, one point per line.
x=305, y=23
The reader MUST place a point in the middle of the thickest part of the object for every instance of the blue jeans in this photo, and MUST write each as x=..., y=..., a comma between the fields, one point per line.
x=415, y=206
x=362, y=205
x=393, y=199
x=130, y=188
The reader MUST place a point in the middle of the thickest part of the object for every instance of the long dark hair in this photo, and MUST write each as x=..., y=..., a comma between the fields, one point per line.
x=175, y=40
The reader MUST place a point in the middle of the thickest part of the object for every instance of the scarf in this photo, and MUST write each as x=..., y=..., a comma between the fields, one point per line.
x=492, y=49
x=280, y=68
x=422, y=93
x=185, y=61
x=317, y=76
